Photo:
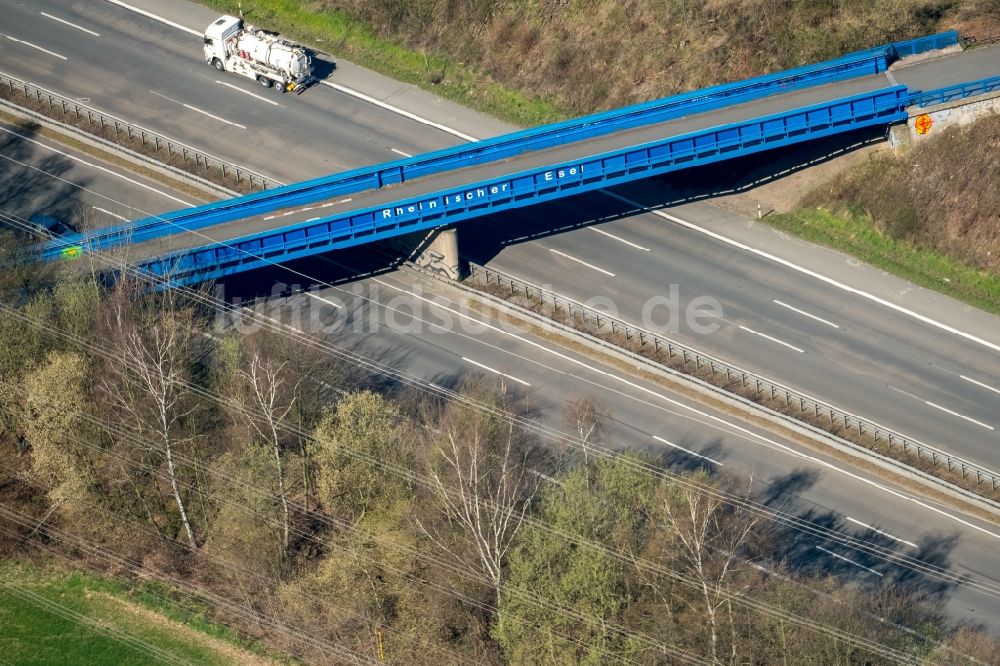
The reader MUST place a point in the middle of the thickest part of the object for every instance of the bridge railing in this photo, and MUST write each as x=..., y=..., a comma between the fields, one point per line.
x=870, y=61
x=726, y=374
x=920, y=45
x=547, y=183
x=130, y=134
x=920, y=98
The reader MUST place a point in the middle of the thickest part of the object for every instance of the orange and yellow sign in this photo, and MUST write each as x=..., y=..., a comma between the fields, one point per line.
x=923, y=124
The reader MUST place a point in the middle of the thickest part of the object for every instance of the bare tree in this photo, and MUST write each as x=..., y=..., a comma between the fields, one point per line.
x=147, y=383
x=264, y=410
x=483, y=487
x=586, y=417
x=709, y=541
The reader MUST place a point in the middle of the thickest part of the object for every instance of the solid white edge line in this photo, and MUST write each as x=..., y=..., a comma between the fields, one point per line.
x=805, y=314
x=98, y=166
x=405, y=114
x=774, y=340
x=108, y=212
x=320, y=298
x=688, y=451
x=961, y=416
x=733, y=427
x=850, y=561
x=153, y=16
x=985, y=386
x=247, y=92
x=70, y=24
x=878, y=531
x=581, y=261
x=400, y=152
x=619, y=239
x=494, y=370
x=805, y=271
x=35, y=46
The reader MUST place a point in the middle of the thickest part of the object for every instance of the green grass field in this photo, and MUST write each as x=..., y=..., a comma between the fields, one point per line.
x=926, y=267
x=68, y=618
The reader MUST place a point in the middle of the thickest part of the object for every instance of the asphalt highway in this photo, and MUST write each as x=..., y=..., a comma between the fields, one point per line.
x=806, y=333
x=428, y=333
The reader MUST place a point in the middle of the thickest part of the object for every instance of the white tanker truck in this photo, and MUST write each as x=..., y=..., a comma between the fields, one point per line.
x=272, y=61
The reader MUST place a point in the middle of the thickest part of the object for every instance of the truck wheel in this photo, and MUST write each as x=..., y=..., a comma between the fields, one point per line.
x=279, y=87
x=216, y=63
x=264, y=81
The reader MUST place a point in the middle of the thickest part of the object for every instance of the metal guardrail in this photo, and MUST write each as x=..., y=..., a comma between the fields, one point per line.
x=759, y=386
x=922, y=98
x=130, y=134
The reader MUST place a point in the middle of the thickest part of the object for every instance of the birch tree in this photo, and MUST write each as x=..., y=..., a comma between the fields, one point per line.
x=146, y=384
x=585, y=416
x=265, y=404
x=709, y=537
x=483, y=487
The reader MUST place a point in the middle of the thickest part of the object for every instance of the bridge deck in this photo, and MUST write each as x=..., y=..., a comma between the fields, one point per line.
x=930, y=73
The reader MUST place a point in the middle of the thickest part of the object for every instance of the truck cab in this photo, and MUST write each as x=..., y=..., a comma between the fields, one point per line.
x=216, y=35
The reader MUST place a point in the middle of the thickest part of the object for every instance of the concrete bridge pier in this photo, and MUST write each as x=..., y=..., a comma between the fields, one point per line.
x=439, y=252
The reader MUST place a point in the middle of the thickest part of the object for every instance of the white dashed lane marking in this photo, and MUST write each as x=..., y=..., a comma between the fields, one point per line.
x=878, y=531
x=72, y=25
x=773, y=339
x=494, y=370
x=581, y=262
x=687, y=451
x=805, y=314
x=36, y=46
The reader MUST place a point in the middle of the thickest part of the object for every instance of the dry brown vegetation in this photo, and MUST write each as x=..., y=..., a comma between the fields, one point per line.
x=945, y=194
x=586, y=55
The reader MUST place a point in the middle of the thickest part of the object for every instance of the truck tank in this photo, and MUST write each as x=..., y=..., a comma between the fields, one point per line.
x=265, y=48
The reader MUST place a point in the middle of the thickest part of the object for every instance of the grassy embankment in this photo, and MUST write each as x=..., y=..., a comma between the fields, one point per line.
x=931, y=217
x=59, y=617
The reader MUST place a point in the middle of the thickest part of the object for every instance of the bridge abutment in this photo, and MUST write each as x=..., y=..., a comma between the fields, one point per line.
x=926, y=122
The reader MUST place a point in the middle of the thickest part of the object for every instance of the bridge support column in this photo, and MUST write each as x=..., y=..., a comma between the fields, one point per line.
x=439, y=252
x=900, y=138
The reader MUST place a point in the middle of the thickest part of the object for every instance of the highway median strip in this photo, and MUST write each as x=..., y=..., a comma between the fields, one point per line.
x=915, y=460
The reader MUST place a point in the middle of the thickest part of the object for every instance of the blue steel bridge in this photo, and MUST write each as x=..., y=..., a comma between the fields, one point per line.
x=448, y=187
